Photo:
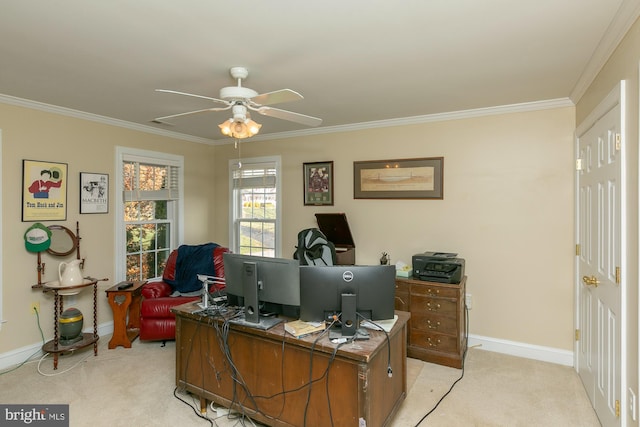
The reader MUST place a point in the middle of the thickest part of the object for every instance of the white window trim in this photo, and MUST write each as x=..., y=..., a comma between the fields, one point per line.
x=119, y=226
x=278, y=162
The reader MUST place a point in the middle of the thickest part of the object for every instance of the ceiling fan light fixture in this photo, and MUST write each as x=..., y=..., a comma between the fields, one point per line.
x=254, y=127
x=239, y=129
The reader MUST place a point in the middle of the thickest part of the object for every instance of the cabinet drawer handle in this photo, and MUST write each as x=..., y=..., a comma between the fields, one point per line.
x=431, y=307
x=431, y=292
x=432, y=343
x=432, y=326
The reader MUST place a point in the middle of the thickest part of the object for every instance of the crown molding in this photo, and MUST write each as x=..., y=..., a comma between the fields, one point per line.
x=626, y=16
x=41, y=106
x=430, y=118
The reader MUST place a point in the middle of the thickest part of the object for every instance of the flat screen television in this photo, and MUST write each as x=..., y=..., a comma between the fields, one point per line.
x=350, y=292
x=265, y=287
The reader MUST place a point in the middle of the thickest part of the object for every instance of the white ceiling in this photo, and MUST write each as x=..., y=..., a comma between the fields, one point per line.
x=354, y=61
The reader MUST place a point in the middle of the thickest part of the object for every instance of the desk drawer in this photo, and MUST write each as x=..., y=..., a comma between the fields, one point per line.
x=435, y=290
x=440, y=306
x=402, y=301
x=434, y=323
x=402, y=286
x=434, y=341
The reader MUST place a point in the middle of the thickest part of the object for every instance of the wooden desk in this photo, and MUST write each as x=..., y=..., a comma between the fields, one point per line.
x=275, y=369
x=125, y=305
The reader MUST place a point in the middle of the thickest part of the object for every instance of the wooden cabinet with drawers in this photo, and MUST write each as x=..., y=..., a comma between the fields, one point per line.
x=436, y=331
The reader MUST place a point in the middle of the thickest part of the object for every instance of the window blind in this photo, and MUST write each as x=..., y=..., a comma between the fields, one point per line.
x=148, y=181
x=255, y=175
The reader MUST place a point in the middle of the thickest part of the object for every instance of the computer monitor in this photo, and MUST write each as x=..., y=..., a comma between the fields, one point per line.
x=265, y=287
x=351, y=291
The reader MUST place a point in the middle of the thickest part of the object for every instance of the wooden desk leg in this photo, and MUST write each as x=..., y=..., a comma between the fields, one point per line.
x=203, y=405
x=120, y=302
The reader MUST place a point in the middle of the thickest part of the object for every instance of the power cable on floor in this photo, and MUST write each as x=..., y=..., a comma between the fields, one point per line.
x=37, y=351
x=464, y=356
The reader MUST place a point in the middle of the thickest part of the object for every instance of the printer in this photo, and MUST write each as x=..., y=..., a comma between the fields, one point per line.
x=442, y=267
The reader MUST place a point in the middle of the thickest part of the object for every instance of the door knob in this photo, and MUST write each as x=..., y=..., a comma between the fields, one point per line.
x=590, y=281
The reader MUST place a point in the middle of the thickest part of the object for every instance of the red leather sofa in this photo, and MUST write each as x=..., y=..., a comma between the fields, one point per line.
x=157, y=322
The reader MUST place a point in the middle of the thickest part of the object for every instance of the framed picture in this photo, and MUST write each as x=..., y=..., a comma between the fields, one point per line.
x=44, y=191
x=399, y=179
x=94, y=193
x=318, y=184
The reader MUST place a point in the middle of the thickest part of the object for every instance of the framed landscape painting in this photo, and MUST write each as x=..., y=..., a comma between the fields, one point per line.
x=399, y=179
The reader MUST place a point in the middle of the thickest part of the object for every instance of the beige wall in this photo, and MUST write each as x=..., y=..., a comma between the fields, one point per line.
x=623, y=65
x=507, y=209
x=88, y=147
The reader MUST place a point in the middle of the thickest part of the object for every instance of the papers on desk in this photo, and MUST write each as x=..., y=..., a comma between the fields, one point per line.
x=300, y=329
x=387, y=325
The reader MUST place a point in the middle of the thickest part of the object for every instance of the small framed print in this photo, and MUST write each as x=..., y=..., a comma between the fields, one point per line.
x=318, y=184
x=94, y=193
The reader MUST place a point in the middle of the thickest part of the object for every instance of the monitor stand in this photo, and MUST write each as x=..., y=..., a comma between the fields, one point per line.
x=250, y=287
x=349, y=321
x=262, y=323
x=336, y=334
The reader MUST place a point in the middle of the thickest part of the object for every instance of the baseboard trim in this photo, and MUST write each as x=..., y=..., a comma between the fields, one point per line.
x=33, y=352
x=519, y=349
x=513, y=348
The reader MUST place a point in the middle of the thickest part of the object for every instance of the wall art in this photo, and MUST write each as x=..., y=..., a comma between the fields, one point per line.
x=94, y=193
x=318, y=184
x=44, y=191
x=399, y=179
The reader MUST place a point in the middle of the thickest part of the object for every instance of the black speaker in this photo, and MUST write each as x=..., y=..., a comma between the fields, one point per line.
x=349, y=317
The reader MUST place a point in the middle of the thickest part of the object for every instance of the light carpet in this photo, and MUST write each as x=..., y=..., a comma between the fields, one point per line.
x=135, y=387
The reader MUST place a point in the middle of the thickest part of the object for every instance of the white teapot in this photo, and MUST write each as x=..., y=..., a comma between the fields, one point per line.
x=70, y=273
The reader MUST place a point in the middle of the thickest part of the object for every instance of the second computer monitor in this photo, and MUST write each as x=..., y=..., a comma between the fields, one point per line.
x=262, y=284
x=368, y=290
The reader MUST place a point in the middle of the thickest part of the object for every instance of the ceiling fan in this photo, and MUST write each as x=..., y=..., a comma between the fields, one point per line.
x=240, y=100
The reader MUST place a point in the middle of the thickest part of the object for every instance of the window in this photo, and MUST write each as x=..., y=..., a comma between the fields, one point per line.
x=149, y=212
x=255, y=206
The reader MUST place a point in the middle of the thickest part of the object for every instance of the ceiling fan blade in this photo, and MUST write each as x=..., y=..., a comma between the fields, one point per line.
x=160, y=119
x=193, y=95
x=277, y=97
x=290, y=116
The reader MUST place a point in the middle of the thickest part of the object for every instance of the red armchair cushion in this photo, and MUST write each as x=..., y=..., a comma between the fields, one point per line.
x=156, y=290
x=218, y=262
x=169, y=273
x=161, y=307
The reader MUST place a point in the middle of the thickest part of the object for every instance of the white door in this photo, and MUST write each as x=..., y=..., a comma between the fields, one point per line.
x=600, y=313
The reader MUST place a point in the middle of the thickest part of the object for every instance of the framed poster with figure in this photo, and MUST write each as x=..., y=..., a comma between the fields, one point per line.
x=318, y=184
x=94, y=193
x=44, y=191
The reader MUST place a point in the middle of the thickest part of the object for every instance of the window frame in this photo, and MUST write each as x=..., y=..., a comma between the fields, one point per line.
x=234, y=243
x=126, y=154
